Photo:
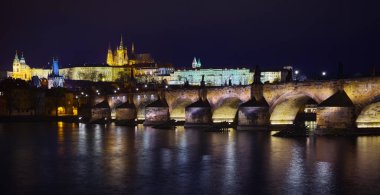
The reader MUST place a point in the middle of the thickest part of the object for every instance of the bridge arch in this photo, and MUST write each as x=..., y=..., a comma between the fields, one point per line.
x=284, y=110
x=226, y=109
x=369, y=116
x=177, y=110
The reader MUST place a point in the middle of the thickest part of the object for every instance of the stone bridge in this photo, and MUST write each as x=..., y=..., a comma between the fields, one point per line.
x=284, y=99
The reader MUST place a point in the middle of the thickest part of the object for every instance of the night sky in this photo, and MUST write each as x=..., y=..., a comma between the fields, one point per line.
x=311, y=35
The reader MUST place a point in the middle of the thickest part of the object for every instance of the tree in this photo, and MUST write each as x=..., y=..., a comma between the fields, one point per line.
x=8, y=87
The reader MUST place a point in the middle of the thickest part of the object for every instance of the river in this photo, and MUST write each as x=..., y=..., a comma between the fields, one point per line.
x=68, y=158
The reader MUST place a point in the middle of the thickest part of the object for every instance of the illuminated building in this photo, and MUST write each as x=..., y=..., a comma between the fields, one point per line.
x=220, y=77
x=196, y=64
x=121, y=56
x=54, y=79
x=121, y=63
x=213, y=77
x=20, y=69
x=118, y=67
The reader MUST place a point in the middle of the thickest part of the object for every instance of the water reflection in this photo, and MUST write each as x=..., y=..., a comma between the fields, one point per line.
x=72, y=158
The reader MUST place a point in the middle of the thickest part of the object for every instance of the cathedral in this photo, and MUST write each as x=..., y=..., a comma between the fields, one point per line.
x=121, y=56
x=20, y=69
x=119, y=64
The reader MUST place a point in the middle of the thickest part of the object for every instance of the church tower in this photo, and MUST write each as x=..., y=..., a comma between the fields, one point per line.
x=20, y=69
x=22, y=59
x=194, y=64
x=16, y=64
x=121, y=57
x=110, y=56
x=133, y=48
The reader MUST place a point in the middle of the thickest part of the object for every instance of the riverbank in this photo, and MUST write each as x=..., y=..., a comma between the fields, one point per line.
x=11, y=119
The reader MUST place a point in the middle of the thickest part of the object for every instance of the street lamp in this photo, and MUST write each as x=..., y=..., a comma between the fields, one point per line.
x=324, y=73
x=296, y=72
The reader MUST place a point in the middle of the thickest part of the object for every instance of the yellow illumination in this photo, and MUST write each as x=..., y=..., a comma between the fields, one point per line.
x=61, y=111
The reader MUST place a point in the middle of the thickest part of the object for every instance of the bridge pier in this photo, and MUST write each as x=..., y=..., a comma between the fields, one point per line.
x=126, y=113
x=199, y=114
x=157, y=112
x=254, y=114
x=101, y=112
x=335, y=114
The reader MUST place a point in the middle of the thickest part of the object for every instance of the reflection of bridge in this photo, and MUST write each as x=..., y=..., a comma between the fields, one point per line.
x=285, y=100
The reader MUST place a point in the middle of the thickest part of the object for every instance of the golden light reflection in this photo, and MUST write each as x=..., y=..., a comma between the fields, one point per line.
x=368, y=156
x=61, y=138
x=61, y=134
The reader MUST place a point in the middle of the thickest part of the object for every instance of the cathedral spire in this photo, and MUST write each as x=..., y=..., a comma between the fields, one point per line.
x=133, y=48
x=16, y=56
x=22, y=59
x=195, y=63
x=121, y=42
x=16, y=59
x=109, y=55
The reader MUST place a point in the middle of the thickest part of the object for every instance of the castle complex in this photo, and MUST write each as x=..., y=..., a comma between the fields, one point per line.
x=119, y=65
x=123, y=62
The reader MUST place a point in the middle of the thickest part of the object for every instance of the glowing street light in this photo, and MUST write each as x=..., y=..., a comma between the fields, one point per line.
x=296, y=72
x=324, y=73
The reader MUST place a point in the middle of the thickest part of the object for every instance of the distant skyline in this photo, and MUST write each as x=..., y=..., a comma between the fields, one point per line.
x=310, y=35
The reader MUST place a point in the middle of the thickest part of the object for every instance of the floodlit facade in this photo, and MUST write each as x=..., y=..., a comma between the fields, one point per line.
x=213, y=77
x=119, y=65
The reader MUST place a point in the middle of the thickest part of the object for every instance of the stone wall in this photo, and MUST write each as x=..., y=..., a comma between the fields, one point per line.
x=100, y=113
x=283, y=98
x=335, y=117
x=126, y=114
x=156, y=115
x=198, y=115
x=253, y=116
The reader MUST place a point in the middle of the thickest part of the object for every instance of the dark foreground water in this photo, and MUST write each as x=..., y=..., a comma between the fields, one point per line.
x=63, y=158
